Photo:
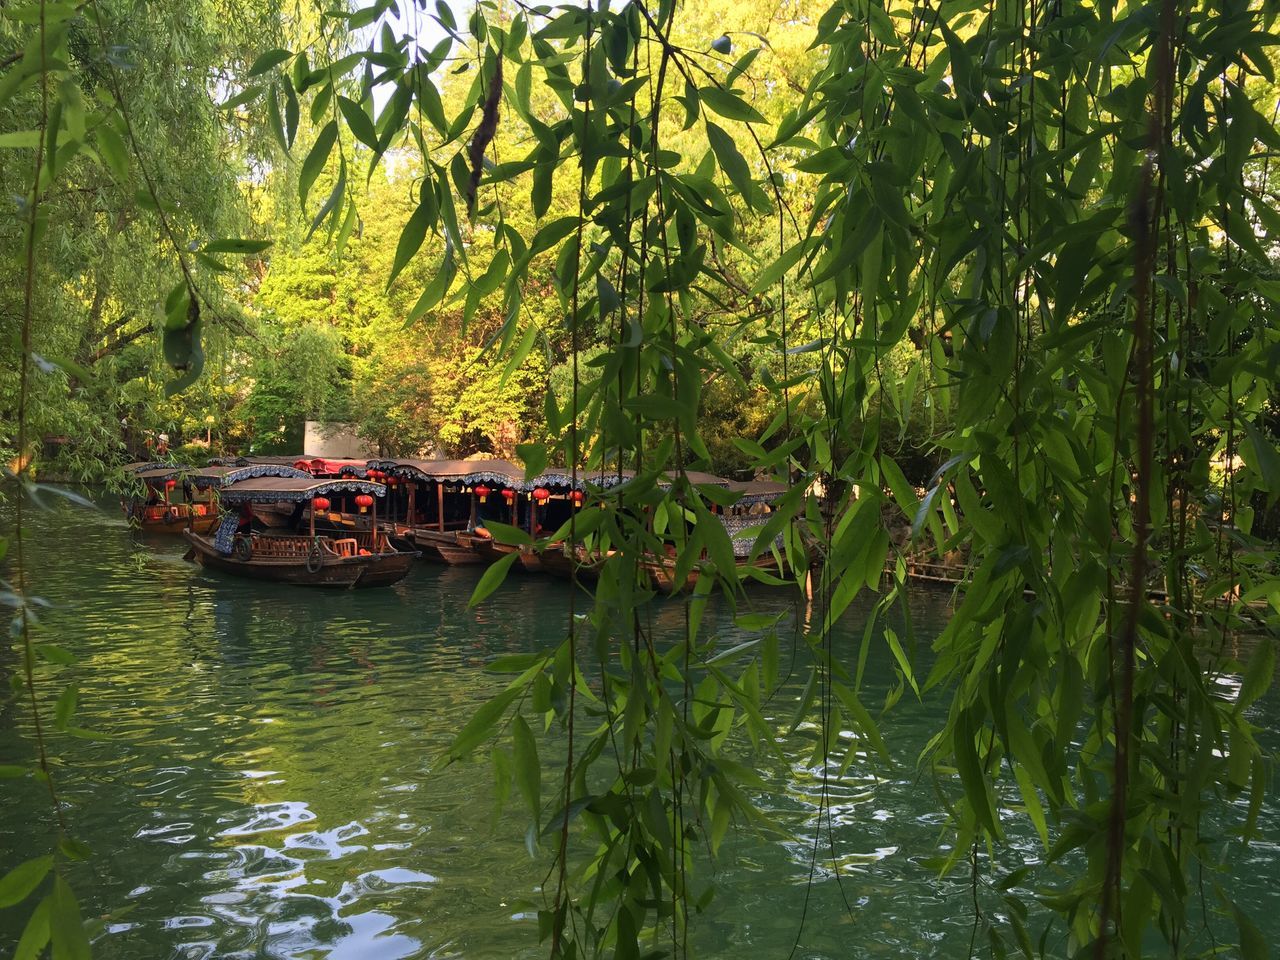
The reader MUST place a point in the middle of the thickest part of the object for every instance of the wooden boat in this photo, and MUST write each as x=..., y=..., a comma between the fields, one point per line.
x=559, y=562
x=458, y=547
x=368, y=559
x=740, y=520
x=166, y=503
x=440, y=504
x=218, y=475
x=662, y=572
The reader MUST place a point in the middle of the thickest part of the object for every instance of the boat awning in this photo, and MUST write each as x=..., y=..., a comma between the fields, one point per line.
x=696, y=477
x=156, y=472
x=456, y=471
x=293, y=489
x=561, y=478
x=154, y=466
x=758, y=491
x=221, y=476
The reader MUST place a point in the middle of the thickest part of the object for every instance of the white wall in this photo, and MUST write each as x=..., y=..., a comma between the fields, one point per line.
x=334, y=440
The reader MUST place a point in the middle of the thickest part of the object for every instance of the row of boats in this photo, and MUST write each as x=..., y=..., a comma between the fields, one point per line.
x=362, y=523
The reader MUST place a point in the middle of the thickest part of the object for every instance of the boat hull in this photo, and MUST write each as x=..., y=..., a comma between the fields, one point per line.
x=449, y=546
x=374, y=570
x=171, y=520
x=555, y=561
x=662, y=573
x=492, y=551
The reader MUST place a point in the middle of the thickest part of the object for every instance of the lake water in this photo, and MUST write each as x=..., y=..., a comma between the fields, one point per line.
x=272, y=784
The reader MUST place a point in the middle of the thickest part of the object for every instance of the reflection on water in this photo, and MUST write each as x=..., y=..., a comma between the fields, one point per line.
x=271, y=785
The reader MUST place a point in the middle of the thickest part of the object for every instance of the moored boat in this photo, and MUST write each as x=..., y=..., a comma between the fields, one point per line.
x=365, y=558
x=219, y=475
x=557, y=560
x=741, y=521
x=163, y=500
x=442, y=506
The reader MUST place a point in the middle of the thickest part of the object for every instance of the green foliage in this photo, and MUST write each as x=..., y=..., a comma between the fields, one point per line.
x=122, y=203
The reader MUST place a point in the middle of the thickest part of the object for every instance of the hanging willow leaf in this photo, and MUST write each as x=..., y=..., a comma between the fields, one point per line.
x=36, y=934
x=316, y=159
x=438, y=288
x=776, y=270
x=1264, y=459
x=333, y=203
x=268, y=60
x=112, y=149
x=411, y=237
x=358, y=122
x=528, y=768
x=730, y=159
x=492, y=579
x=429, y=98
x=247, y=95
x=70, y=941
x=21, y=881
x=729, y=105
x=480, y=726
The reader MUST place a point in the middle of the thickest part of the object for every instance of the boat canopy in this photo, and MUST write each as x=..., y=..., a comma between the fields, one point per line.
x=562, y=478
x=757, y=491
x=158, y=472
x=148, y=466
x=222, y=476
x=559, y=479
x=696, y=477
x=744, y=530
x=455, y=471
x=293, y=489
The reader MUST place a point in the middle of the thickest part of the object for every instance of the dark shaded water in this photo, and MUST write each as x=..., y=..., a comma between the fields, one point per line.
x=272, y=785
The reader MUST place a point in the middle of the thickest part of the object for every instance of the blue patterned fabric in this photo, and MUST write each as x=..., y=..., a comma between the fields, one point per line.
x=226, y=534
x=248, y=472
x=743, y=531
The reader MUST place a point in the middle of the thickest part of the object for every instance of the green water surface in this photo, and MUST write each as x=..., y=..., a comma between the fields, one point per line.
x=272, y=784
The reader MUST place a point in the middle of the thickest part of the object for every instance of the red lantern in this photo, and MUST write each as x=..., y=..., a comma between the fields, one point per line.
x=170, y=484
x=364, y=502
x=509, y=495
x=483, y=491
x=541, y=494
x=577, y=497
x=320, y=503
